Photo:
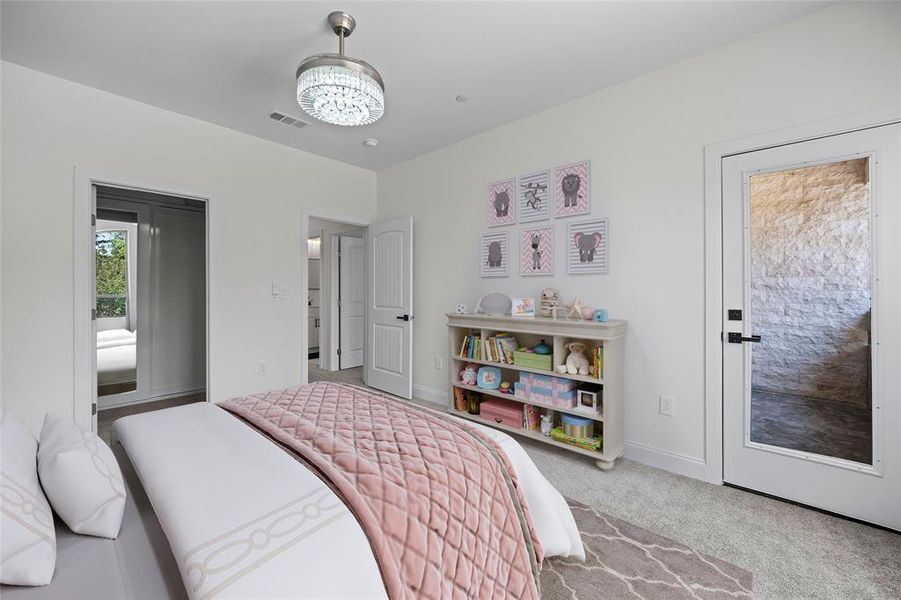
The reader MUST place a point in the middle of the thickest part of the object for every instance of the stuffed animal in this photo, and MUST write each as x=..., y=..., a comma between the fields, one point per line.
x=576, y=362
x=550, y=298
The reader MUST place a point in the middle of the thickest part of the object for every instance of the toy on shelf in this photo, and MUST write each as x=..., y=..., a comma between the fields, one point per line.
x=489, y=378
x=469, y=374
x=576, y=362
x=599, y=316
x=550, y=299
x=547, y=423
x=505, y=388
x=542, y=347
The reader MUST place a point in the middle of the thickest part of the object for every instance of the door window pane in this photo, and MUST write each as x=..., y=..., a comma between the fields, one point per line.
x=810, y=303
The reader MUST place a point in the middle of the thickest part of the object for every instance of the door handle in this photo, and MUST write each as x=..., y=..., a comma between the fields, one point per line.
x=404, y=317
x=737, y=338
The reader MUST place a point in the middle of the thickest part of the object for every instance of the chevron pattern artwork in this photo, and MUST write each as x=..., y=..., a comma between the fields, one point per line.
x=502, y=203
x=536, y=251
x=572, y=189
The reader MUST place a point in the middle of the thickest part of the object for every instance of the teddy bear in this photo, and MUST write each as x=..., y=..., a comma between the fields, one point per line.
x=550, y=298
x=576, y=362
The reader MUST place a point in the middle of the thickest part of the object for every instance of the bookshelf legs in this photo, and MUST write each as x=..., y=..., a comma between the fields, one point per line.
x=604, y=465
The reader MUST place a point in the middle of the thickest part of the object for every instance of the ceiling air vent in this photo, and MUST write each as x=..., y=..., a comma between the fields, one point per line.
x=287, y=119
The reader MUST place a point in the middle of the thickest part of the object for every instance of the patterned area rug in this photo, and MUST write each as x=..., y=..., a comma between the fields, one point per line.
x=625, y=561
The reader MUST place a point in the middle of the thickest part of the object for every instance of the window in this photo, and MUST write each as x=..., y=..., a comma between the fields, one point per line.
x=111, y=254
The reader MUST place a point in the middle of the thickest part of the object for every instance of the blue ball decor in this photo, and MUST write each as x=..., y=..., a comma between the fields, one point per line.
x=599, y=316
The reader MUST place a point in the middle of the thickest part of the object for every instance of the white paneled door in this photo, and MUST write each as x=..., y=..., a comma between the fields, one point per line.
x=812, y=323
x=389, y=295
x=352, y=301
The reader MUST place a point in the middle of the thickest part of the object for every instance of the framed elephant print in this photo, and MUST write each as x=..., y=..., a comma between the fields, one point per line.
x=572, y=189
x=586, y=247
x=502, y=203
x=536, y=250
x=494, y=255
x=533, y=197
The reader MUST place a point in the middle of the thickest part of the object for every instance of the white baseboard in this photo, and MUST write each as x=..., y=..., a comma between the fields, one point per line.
x=666, y=460
x=430, y=395
x=181, y=392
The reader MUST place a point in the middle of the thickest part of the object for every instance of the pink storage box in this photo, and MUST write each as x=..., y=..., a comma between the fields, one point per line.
x=505, y=412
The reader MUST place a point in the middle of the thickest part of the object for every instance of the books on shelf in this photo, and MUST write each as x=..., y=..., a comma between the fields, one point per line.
x=597, y=362
x=497, y=348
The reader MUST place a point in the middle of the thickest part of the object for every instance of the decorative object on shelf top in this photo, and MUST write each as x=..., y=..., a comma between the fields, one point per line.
x=460, y=309
x=575, y=310
x=338, y=89
x=548, y=301
x=599, y=316
x=576, y=362
x=494, y=304
x=523, y=307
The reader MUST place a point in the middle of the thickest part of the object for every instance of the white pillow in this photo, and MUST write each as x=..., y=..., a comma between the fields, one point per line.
x=28, y=543
x=81, y=477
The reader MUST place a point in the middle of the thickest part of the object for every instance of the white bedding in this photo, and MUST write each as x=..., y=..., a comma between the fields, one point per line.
x=116, y=356
x=245, y=519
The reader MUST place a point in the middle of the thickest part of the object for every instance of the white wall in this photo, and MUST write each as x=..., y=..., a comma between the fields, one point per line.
x=50, y=125
x=645, y=139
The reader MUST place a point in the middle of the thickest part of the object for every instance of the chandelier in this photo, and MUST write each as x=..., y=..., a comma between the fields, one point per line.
x=338, y=89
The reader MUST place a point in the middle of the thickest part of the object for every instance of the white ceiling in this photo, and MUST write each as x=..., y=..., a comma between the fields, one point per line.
x=230, y=63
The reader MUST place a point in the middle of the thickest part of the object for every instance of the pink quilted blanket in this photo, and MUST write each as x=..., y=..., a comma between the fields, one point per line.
x=438, y=499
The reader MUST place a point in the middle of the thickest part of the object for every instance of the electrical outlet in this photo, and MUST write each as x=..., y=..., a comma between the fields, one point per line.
x=261, y=367
x=439, y=363
x=667, y=405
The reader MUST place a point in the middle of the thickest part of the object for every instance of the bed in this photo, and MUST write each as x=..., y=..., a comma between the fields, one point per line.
x=116, y=357
x=244, y=516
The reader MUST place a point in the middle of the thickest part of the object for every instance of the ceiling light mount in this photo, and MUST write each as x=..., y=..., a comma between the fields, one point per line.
x=338, y=89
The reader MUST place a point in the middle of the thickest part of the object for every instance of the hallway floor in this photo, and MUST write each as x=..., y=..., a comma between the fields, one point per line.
x=838, y=429
x=354, y=376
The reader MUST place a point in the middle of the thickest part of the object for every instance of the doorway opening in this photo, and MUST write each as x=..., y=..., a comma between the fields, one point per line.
x=810, y=256
x=150, y=300
x=336, y=300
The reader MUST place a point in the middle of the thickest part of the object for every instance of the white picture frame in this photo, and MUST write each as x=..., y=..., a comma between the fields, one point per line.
x=588, y=255
x=536, y=250
x=533, y=197
x=572, y=189
x=494, y=254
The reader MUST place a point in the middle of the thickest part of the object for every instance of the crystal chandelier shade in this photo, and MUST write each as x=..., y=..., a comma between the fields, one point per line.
x=340, y=96
x=338, y=89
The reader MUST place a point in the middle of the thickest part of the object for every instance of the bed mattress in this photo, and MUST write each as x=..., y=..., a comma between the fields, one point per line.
x=246, y=519
x=116, y=364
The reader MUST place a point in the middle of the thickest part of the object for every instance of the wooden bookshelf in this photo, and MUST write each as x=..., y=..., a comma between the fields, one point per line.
x=557, y=333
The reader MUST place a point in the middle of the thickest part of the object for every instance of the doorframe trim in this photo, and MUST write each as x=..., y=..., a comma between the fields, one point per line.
x=83, y=180
x=713, y=255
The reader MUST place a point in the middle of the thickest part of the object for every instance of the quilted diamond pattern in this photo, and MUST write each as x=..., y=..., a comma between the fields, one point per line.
x=437, y=498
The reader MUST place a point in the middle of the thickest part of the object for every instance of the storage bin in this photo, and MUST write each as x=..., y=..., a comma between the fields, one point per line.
x=551, y=391
x=532, y=360
x=505, y=412
x=577, y=427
